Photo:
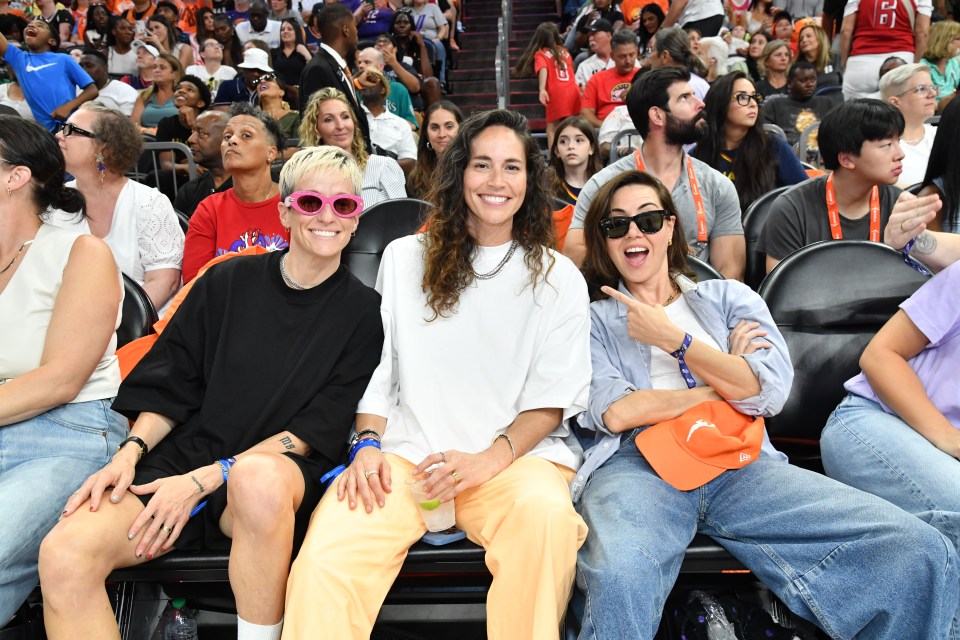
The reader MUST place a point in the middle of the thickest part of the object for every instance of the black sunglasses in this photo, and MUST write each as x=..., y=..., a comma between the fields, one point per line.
x=647, y=222
x=69, y=129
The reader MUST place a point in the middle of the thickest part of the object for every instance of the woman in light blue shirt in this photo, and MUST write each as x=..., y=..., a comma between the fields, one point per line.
x=663, y=346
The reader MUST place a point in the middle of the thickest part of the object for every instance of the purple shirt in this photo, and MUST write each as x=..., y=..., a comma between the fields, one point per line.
x=935, y=309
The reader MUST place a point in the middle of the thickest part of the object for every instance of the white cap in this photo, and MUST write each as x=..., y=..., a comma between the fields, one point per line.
x=140, y=44
x=254, y=58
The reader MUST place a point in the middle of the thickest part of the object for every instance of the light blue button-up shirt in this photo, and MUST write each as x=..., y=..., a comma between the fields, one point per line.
x=621, y=365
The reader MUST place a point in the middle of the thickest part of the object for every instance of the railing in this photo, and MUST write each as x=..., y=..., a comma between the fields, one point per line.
x=502, y=62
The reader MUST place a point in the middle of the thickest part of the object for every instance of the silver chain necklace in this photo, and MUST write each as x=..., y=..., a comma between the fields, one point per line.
x=290, y=282
x=22, y=247
x=499, y=267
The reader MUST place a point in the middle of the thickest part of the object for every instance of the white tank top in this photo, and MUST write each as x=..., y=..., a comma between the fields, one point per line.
x=26, y=306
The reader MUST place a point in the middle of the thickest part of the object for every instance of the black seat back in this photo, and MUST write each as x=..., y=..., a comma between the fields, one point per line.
x=380, y=225
x=829, y=299
x=703, y=270
x=753, y=221
x=138, y=314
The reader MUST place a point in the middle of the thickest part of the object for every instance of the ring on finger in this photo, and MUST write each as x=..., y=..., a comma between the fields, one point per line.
x=167, y=530
x=372, y=472
x=456, y=477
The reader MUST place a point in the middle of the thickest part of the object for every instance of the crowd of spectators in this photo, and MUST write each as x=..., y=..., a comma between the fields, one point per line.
x=279, y=124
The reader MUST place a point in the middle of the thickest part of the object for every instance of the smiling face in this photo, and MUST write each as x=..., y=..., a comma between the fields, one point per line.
x=323, y=235
x=79, y=151
x=38, y=37
x=494, y=184
x=287, y=33
x=187, y=95
x=808, y=44
x=637, y=256
x=573, y=148
x=650, y=21
x=335, y=124
x=269, y=90
x=246, y=145
x=158, y=30
x=739, y=115
x=441, y=129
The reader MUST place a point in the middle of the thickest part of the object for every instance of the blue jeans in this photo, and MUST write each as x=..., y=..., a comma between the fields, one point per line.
x=867, y=448
x=845, y=560
x=42, y=461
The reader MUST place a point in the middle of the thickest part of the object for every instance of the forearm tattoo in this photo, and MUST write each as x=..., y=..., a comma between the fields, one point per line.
x=287, y=443
x=926, y=244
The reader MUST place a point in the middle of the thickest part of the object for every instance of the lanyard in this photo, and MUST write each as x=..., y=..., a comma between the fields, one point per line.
x=694, y=191
x=573, y=196
x=834, y=212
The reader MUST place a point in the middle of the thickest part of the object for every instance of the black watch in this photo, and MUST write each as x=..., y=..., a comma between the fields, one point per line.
x=140, y=443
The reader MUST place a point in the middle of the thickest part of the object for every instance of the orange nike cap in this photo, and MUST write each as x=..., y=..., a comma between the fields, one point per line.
x=696, y=447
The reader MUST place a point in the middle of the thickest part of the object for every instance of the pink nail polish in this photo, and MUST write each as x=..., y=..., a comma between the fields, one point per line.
x=150, y=556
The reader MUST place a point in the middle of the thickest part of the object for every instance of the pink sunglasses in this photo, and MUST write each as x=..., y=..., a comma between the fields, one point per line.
x=310, y=203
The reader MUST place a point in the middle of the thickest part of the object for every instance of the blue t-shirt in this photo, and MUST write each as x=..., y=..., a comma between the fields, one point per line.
x=232, y=91
x=48, y=80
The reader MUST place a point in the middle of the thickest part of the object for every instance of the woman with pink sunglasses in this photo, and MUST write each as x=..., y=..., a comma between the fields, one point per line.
x=242, y=405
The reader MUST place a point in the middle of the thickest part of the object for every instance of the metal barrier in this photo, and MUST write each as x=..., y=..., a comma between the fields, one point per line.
x=502, y=62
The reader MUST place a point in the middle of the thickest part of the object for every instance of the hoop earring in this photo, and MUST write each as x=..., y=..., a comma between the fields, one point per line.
x=101, y=167
x=429, y=146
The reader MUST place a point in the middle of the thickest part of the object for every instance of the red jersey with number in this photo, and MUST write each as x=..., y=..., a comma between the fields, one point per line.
x=884, y=26
x=561, y=85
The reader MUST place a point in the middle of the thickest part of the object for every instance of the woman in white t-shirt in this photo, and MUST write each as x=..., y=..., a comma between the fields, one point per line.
x=911, y=90
x=11, y=95
x=59, y=308
x=137, y=222
x=481, y=406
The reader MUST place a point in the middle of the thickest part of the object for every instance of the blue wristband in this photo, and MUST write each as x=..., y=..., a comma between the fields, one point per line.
x=366, y=442
x=331, y=475
x=225, y=466
x=684, y=369
x=910, y=261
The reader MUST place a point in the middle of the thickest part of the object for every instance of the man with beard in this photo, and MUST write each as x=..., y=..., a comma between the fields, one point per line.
x=205, y=142
x=668, y=116
x=608, y=88
x=330, y=67
x=799, y=108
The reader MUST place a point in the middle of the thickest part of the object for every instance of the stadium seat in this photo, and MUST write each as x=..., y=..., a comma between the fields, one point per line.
x=380, y=225
x=183, y=219
x=703, y=270
x=138, y=313
x=623, y=139
x=753, y=221
x=829, y=299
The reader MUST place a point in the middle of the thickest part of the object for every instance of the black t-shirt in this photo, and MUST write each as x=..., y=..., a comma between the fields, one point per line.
x=766, y=89
x=191, y=194
x=609, y=14
x=794, y=116
x=287, y=68
x=62, y=16
x=799, y=218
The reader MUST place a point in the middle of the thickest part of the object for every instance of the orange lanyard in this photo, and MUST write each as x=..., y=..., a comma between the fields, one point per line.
x=572, y=195
x=694, y=191
x=834, y=212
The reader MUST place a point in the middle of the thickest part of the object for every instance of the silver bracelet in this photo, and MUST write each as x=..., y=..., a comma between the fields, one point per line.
x=513, y=450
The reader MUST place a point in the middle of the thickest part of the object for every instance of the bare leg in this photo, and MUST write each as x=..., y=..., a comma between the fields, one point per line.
x=551, y=131
x=263, y=494
x=75, y=559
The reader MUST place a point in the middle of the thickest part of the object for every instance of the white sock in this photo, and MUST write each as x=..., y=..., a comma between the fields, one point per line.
x=249, y=631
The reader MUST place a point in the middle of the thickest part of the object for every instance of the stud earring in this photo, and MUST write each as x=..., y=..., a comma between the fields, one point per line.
x=429, y=146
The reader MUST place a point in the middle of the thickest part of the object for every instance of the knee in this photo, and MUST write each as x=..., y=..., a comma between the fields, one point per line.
x=260, y=488
x=69, y=553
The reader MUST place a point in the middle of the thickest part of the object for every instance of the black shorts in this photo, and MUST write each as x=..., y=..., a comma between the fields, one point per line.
x=202, y=531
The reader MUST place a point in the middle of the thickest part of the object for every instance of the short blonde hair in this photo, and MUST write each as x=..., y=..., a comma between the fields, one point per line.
x=894, y=82
x=941, y=35
x=322, y=159
x=772, y=47
x=308, y=125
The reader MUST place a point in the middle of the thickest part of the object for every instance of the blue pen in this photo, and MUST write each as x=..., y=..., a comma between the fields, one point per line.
x=197, y=509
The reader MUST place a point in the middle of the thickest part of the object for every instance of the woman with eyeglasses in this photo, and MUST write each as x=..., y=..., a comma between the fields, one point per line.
x=289, y=59
x=737, y=145
x=328, y=119
x=245, y=215
x=701, y=363
x=230, y=444
x=59, y=309
x=911, y=90
x=212, y=71
x=136, y=221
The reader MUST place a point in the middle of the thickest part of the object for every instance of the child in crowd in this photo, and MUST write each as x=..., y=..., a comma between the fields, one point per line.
x=554, y=68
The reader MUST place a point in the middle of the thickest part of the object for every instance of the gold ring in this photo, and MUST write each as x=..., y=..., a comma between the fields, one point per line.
x=166, y=529
x=367, y=474
x=456, y=477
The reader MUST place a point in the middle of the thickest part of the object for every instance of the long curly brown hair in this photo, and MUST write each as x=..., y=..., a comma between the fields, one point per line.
x=448, y=246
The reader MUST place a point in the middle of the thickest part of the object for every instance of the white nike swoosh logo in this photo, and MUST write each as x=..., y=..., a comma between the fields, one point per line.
x=43, y=66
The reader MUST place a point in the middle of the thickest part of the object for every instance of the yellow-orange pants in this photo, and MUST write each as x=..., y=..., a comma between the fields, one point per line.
x=523, y=517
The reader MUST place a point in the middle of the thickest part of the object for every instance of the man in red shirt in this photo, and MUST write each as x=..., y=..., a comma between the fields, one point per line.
x=608, y=88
